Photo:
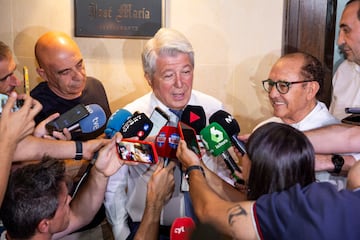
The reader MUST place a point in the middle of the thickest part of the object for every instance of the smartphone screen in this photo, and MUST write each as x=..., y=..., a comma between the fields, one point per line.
x=137, y=150
x=159, y=119
x=3, y=100
x=188, y=134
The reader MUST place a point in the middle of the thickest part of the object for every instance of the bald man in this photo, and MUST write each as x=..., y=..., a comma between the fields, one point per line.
x=65, y=85
x=61, y=65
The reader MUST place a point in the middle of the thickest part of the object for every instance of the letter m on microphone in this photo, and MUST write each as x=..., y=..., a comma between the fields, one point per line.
x=215, y=139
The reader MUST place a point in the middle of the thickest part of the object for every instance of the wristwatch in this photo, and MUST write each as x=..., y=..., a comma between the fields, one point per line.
x=338, y=162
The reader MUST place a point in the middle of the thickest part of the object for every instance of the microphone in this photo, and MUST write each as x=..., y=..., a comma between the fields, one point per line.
x=115, y=122
x=195, y=117
x=218, y=142
x=182, y=228
x=95, y=120
x=231, y=127
x=167, y=141
x=139, y=125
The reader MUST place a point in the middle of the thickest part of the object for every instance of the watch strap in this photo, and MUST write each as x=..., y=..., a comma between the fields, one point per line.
x=79, y=150
x=192, y=168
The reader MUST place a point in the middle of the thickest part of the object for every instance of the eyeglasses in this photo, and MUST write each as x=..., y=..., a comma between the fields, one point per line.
x=282, y=86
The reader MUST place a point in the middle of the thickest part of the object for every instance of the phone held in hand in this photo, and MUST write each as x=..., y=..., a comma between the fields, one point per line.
x=137, y=150
x=67, y=119
x=188, y=134
x=3, y=99
x=159, y=118
x=353, y=119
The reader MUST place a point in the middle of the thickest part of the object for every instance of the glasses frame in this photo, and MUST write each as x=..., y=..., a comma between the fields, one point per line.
x=288, y=84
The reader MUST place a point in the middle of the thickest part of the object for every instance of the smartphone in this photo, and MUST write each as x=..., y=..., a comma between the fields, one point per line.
x=353, y=119
x=188, y=134
x=67, y=119
x=137, y=150
x=3, y=99
x=159, y=119
x=355, y=110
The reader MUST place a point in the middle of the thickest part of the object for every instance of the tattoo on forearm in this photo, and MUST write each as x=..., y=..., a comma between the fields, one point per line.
x=235, y=212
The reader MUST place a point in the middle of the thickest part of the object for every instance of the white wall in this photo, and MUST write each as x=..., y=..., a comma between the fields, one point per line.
x=235, y=41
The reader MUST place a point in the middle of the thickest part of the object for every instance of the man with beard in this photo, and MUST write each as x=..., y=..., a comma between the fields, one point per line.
x=346, y=81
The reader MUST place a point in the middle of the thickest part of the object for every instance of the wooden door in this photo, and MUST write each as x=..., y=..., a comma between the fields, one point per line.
x=309, y=26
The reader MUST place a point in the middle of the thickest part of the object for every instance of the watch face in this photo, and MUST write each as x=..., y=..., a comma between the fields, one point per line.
x=338, y=162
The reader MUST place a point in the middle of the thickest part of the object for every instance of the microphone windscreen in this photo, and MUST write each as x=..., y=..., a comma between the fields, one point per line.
x=95, y=120
x=227, y=121
x=215, y=139
x=116, y=121
x=167, y=141
x=138, y=125
x=182, y=228
x=195, y=117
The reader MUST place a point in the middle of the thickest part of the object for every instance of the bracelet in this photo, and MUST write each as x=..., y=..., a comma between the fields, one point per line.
x=191, y=168
x=79, y=150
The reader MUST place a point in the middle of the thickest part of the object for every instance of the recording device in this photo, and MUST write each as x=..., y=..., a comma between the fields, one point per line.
x=159, y=119
x=115, y=122
x=18, y=103
x=137, y=150
x=139, y=125
x=353, y=119
x=26, y=80
x=195, y=117
x=95, y=120
x=167, y=141
x=355, y=110
x=188, y=134
x=231, y=127
x=182, y=228
x=67, y=119
x=218, y=142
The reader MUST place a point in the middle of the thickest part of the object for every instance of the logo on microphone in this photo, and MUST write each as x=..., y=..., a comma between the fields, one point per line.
x=229, y=119
x=174, y=140
x=194, y=117
x=218, y=137
x=161, y=139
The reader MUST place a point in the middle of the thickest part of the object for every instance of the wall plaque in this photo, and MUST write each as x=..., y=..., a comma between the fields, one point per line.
x=118, y=18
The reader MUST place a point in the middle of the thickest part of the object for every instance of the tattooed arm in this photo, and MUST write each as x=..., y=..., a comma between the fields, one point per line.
x=230, y=218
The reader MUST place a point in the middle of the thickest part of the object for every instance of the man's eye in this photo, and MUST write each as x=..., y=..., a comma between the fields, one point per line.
x=64, y=73
x=168, y=76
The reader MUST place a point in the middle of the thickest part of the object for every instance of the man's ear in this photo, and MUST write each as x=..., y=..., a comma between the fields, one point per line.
x=41, y=73
x=44, y=226
x=313, y=89
x=148, y=79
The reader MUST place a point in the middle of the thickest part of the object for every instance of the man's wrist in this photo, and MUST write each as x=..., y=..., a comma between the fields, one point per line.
x=193, y=168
